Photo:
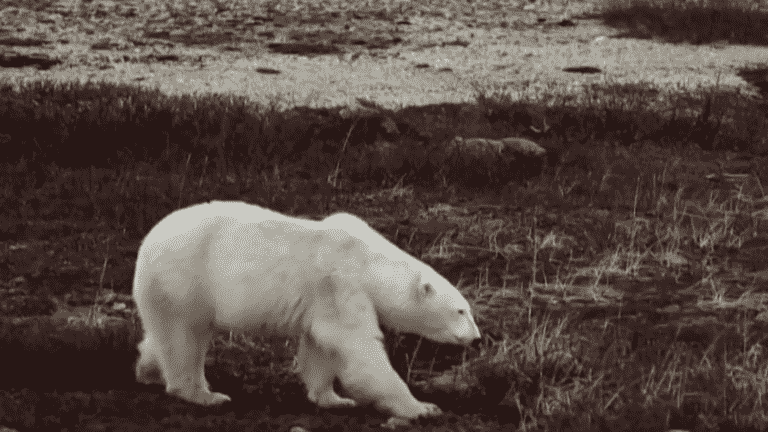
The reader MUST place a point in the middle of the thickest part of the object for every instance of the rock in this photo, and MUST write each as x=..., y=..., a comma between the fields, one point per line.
x=481, y=162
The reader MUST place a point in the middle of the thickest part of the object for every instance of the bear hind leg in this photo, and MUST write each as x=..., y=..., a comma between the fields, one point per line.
x=182, y=358
x=147, y=367
x=318, y=374
x=203, y=351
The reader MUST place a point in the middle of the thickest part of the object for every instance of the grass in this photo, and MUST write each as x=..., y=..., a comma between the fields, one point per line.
x=697, y=21
x=618, y=285
x=539, y=271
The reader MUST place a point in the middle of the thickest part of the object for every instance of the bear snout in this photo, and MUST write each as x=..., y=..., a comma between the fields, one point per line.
x=474, y=333
x=467, y=335
x=469, y=341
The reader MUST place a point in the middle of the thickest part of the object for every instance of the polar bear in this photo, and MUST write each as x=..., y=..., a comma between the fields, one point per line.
x=329, y=283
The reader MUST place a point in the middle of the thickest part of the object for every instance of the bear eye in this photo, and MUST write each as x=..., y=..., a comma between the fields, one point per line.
x=462, y=311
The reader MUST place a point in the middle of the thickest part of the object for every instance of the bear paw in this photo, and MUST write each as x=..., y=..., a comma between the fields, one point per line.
x=147, y=370
x=415, y=409
x=404, y=417
x=330, y=400
x=395, y=422
x=212, y=398
x=426, y=409
x=217, y=398
x=205, y=398
x=149, y=375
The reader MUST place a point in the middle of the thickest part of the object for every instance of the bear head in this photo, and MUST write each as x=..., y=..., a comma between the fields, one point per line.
x=444, y=314
x=409, y=296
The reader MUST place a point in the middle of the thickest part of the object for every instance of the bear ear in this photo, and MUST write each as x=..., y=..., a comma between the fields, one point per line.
x=426, y=290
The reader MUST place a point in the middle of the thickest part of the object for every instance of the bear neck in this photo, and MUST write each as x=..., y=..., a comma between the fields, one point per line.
x=391, y=286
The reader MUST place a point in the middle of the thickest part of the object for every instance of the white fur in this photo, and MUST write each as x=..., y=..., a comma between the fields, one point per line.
x=239, y=266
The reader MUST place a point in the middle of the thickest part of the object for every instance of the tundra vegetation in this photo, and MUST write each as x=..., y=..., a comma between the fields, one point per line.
x=616, y=277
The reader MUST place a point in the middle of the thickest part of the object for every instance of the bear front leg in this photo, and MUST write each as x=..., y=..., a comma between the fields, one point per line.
x=318, y=372
x=368, y=376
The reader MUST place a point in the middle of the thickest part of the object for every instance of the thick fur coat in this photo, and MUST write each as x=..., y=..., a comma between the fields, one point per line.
x=329, y=283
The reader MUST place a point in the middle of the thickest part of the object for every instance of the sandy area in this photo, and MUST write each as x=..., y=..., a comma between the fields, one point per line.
x=429, y=65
